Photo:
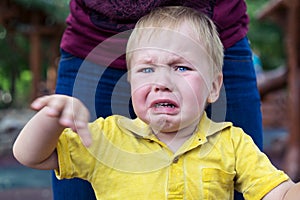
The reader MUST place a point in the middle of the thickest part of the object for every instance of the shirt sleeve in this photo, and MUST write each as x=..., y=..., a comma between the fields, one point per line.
x=73, y=157
x=256, y=175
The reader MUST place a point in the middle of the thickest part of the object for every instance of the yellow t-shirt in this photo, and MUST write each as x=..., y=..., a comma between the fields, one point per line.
x=126, y=161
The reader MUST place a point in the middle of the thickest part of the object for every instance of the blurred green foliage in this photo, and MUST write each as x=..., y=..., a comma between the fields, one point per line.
x=13, y=62
x=265, y=36
x=15, y=77
x=56, y=9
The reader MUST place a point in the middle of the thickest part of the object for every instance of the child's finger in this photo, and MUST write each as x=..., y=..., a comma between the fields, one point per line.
x=54, y=103
x=84, y=133
x=74, y=113
x=76, y=116
x=39, y=103
x=69, y=114
x=81, y=119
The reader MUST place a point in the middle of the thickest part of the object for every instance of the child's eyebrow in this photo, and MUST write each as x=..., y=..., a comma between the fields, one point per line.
x=144, y=59
x=171, y=59
x=177, y=59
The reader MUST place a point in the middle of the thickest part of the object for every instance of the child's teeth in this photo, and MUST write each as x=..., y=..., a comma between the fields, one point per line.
x=164, y=105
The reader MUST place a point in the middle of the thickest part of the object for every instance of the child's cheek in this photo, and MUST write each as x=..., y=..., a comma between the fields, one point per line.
x=139, y=98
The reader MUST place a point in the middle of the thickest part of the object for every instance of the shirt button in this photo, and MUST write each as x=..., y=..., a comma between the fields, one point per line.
x=175, y=160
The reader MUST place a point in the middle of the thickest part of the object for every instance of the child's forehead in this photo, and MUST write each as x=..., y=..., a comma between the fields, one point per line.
x=159, y=34
x=168, y=40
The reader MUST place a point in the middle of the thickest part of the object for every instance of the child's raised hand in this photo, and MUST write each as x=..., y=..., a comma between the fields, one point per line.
x=69, y=111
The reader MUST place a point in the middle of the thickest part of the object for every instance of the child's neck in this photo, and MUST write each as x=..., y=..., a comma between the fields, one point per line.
x=175, y=140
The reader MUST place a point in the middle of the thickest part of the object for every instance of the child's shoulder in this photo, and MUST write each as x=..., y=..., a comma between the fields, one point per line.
x=122, y=124
x=224, y=132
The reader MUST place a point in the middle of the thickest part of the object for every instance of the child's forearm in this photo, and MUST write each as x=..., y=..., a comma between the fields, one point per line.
x=293, y=192
x=36, y=144
x=287, y=190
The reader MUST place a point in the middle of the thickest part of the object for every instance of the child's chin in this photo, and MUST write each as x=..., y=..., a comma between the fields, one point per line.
x=164, y=124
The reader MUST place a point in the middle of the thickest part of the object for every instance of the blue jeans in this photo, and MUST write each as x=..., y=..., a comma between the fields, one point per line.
x=239, y=101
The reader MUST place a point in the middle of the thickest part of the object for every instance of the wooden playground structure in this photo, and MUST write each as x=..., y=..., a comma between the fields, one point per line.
x=286, y=14
x=33, y=23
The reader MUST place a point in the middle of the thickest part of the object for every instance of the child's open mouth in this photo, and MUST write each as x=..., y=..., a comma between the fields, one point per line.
x=165, y=106
x=169, y=105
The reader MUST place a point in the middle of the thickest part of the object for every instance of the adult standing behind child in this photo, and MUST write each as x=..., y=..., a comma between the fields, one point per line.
x=171, y=150
x=92, y=22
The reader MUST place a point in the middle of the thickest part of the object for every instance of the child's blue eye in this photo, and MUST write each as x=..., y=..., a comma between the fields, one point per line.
x=147, y=70
x=181, y=68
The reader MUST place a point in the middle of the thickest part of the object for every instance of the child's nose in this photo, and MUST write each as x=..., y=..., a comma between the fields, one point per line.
x=161, y=87
x=164, y=82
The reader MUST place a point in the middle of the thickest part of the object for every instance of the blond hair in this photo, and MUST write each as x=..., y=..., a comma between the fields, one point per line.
x=171, y=17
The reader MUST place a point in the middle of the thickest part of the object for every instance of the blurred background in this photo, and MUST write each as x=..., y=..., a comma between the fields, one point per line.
x=30, y=32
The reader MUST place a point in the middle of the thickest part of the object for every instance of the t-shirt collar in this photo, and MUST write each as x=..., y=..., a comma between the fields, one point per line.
x=206, y=127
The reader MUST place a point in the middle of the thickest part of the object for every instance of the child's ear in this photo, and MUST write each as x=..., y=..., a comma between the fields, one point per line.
x=215, y=89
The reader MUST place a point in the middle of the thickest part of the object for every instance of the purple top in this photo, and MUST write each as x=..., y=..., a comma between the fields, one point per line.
x=90, y=22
